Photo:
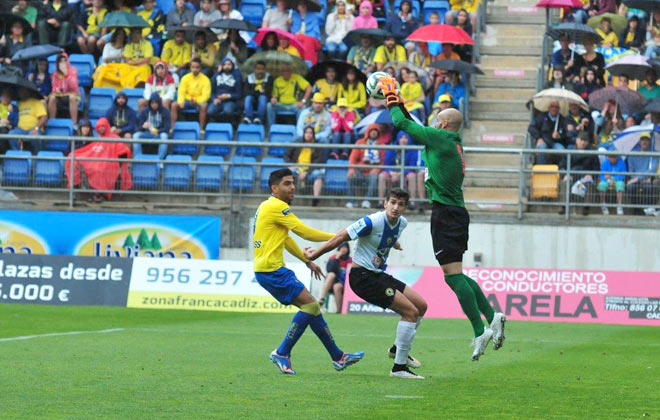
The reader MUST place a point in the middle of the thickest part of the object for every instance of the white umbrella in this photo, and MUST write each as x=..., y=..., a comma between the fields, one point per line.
x=628, y=139
x=544, y=98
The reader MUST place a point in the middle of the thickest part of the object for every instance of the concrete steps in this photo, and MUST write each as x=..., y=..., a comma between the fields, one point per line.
x=490, y=199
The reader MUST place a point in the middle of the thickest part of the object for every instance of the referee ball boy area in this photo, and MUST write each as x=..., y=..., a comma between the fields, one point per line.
x=118, y=363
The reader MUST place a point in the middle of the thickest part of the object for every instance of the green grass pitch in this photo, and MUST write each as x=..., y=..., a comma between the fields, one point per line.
x=210, y=365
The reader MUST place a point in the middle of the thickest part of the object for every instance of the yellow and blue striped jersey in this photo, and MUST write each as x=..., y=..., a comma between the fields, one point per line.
x=272, y=223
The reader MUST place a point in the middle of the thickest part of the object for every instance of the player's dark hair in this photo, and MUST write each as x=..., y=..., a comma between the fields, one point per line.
x=398, y=193
x=196, y=60
x=276, y=176
x=260, y=62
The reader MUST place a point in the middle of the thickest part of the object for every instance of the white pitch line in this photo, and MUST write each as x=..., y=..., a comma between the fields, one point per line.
x=404, y=397
x=58, y=334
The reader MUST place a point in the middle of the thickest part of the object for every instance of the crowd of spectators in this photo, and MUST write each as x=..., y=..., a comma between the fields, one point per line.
x=582, y=70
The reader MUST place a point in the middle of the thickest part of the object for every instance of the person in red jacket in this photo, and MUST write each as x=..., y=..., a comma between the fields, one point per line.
x=342, y=122
x=357, y=179
x=65, y=91
x=101, y=174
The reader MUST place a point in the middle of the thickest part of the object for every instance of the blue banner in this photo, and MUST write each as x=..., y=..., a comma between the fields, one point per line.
x=109, y=234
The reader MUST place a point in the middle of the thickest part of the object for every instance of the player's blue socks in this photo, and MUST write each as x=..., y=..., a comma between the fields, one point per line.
x=298, y=326
x=322, y=331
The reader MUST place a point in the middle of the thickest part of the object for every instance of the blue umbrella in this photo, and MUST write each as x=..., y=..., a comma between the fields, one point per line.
x=378, y=117
x=628, y=140
x=38, y=51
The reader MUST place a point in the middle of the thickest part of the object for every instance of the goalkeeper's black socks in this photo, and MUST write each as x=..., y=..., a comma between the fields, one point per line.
x=399, y=368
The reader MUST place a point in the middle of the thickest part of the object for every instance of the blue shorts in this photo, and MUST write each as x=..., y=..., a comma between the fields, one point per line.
x=281, y=284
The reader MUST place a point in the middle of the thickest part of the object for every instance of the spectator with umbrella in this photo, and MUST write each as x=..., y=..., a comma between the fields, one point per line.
x=365, y=18
x=653, y=35
x=258, y=91
x=548, y=131
x=65, y=90
x=578, y=120
x=278, y=17
x=362, y=55
x=451, y=84
x=15, y=40
x=337, y=26
x=205, y=50
x=270, y=42
x=8, y=117
x=32, y=115
x=304, y=21
x=421, y=57
x=564, y=58
x=608, y=37
x=113, y=52
x=54, y=22
x=40, y=77
x=284, y=45
x=352, y=89
x=592, y=58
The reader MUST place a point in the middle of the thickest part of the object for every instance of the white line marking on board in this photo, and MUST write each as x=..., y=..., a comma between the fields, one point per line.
x=404, y=397
x=29, y=337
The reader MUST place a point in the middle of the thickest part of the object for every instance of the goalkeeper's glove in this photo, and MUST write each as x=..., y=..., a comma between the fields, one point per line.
x=388, y=87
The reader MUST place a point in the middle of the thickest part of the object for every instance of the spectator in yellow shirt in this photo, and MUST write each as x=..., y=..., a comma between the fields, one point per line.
x=413, y=93
x=89, y=28
x=204, y=51
x=194, y=93
x=290, y=93
x=609, y=37
x=389, y=51
x=138, y=52
x=353, y=91
x=328, y=86
x=32, y=118
x=177, y=53
x=284, y=45
x=469, y=6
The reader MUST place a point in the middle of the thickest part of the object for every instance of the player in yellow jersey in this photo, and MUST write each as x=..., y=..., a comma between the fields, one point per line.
x=273, y=221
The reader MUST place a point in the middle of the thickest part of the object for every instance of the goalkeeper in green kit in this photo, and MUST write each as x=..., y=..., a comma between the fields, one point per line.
x=445, y=169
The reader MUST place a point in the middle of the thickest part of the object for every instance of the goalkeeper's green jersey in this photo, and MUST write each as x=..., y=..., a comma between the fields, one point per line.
x=443, y=155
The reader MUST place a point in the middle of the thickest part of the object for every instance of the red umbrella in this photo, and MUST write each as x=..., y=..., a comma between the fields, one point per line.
x=446, y=34
x=261, y=34
x=558, y=4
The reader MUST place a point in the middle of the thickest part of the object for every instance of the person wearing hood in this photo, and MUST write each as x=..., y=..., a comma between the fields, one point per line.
x=160, y=82
x=153, y=123
x=121, y=117
x=258, y=90
x=365, y=19
x=304, y=22
x=358, y=178
x=389, y=178
x=65, y=90
x=227, y=88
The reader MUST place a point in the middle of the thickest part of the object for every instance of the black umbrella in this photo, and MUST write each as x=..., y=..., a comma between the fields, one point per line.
x=12, y=79
x=342, y=67
x=575, y=32
x=646, y=5
x=312, y=5
x=239, y=25
x=655, y=65
x=8, y=19
x=456, y=65
x=652, y=105
x=192, y=30
x=38, y=51
x=353, y=37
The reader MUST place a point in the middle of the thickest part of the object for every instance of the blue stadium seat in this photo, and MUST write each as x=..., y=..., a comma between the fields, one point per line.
x=100, y=100
x=51, y=63
x=177, y=175
x=48, y=172
x=415, y=7
x=218, y=132
x=268, y=166
x=81, y=106
x=251, y=133
x=59, y=127
x=185, y=130
x=241, y=176
x=335, y=178
x=17, y=171
x=280, y=133
x=209, y=177
x=165, y=5
x=133, y=96
x=441, y=7
x=253, y=11
x=145, y=174
x=85, y=65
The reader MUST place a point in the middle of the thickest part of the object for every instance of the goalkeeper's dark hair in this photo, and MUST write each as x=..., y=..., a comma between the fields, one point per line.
x=276, y=176
x=398, y=193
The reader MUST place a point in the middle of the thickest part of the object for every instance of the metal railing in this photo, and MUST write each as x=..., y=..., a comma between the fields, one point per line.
x=519, y=174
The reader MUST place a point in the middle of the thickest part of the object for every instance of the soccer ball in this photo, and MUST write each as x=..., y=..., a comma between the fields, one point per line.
x=373, y=90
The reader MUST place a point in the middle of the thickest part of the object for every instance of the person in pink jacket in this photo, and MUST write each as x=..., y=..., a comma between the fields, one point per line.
x=64, y=81
x=343, y=122
x=365, y=19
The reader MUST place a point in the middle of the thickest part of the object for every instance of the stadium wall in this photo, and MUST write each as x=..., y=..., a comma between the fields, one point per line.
x=516, y=245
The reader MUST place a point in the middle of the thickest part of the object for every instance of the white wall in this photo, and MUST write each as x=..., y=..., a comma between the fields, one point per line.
x=520, y=245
